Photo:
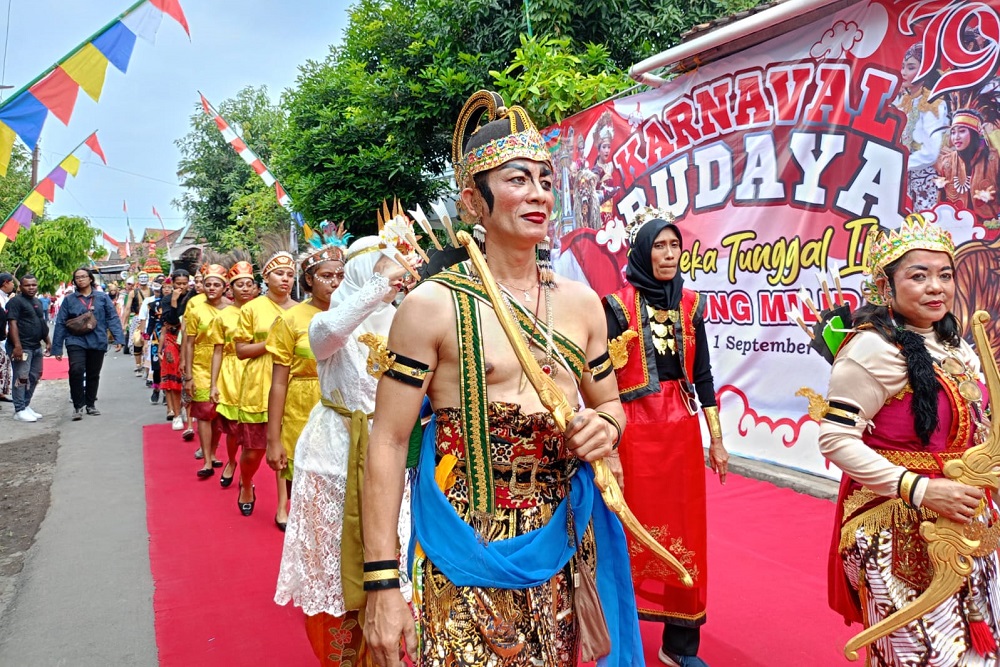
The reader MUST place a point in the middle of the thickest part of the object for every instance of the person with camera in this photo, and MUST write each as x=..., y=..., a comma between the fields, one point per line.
x=82, y=324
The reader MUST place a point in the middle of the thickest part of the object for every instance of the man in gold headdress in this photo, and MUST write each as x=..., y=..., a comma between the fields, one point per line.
x=509, y=530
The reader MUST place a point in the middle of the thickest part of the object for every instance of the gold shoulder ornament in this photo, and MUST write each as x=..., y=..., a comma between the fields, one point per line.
x=380, y=359
x=618, y=348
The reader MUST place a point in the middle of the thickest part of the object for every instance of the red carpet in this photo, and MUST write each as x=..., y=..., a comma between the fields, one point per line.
x=55, y=369
x=214, y=573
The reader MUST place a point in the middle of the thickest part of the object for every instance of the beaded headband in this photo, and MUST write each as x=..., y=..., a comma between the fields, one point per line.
x=963, y=118
x=279, y=260
x=916, y=233
x=523, y=141
x=241, y=270
x=328, y=244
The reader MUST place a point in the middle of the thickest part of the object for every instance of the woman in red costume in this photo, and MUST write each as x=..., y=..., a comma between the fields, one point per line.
x=660, y=353
x=904, y=399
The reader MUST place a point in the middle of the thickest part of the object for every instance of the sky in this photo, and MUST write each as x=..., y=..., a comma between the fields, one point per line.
x=234, y=43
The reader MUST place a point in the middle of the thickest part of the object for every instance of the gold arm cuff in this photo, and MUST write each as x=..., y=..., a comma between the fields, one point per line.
x=853, y=416
x=906, y=484
x=400, y=367
x=712, y=419
x=380, y=575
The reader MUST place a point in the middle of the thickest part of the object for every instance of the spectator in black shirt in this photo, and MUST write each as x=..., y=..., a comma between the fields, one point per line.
x=27, y=331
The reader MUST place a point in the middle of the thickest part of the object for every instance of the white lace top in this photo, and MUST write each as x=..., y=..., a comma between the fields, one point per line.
x=311, y=558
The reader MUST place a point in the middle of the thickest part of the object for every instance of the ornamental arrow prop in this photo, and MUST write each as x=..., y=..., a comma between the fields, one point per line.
x=555, y=402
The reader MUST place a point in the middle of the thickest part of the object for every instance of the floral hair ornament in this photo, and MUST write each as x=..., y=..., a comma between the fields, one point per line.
x=642, y=216
x=396, y=238
x=508, y=135
x=327, y=244
x=918, y=232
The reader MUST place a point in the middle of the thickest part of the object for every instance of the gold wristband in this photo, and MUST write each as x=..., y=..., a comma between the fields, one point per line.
x=381, y=575
x=906, y=484
x=712, y=419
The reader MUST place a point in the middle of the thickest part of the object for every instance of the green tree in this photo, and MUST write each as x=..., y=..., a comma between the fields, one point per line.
x=216, y=178
x=375, y=118
x=51, y=249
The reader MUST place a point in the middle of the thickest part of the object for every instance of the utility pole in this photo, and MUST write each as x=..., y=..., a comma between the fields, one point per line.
x=35, y=155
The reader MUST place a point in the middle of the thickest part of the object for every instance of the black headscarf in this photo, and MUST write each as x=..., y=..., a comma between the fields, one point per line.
x=664, y=294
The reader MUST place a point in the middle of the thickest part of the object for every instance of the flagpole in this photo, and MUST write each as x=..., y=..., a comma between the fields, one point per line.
x=25, y=197
x=72, y=52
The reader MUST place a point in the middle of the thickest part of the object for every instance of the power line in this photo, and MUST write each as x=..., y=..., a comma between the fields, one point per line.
x=6, y=41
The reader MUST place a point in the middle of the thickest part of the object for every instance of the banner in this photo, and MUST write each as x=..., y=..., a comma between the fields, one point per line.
x=777, y=162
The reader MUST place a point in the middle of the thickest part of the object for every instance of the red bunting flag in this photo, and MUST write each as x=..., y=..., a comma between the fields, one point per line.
x=94, y=145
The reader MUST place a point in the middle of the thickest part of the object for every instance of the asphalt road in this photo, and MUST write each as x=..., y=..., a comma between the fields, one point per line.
x=85, y=595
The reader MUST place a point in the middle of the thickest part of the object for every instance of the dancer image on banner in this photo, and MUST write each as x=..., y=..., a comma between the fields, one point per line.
x=295, y=387
x=905, y=398
x=977, y=285
x=322, y=558
x=925, y=130
x=608, y=179
x=227, y=367
x=506, y=513
x=968, y=170
x=660, y=353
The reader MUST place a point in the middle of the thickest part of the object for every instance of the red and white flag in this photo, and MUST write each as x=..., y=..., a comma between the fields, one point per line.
x=246, y=154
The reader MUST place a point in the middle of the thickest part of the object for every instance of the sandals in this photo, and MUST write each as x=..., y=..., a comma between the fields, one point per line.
x=224, y=481
x=205, y=473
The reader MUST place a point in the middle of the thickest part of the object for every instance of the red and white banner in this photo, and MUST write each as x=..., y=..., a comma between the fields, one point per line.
x=777, y=162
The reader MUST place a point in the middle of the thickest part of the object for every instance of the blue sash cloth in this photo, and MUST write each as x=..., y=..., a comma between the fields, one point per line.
x=533, y=558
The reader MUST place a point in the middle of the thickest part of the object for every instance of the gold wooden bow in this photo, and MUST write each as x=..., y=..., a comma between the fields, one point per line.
x=948, y=544
x=555, y=402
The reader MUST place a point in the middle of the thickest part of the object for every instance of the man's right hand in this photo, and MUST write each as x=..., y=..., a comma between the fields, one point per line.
x=17, y=352
x=388, y=619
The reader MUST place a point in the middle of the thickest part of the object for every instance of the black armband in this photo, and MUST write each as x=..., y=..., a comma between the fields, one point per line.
x=842, y=413
x=601, y=367
x=406, y=370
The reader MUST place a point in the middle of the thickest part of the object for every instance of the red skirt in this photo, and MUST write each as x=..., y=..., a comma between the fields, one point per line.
x=252, y=436
x=203, y=411
x=170, y=362
x=664, y=464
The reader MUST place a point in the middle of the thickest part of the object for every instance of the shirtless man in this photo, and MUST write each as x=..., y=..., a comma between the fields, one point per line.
x=527, y=468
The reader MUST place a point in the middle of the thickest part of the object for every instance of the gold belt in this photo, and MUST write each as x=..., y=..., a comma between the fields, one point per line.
x=917, y=461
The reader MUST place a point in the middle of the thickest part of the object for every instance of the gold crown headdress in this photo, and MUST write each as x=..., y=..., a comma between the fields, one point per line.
x=643, y=216
x=517, y=137
x=916, y=233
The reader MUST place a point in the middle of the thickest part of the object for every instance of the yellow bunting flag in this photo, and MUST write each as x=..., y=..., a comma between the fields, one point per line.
x=71, y=164
x=6, y=146
x=87, y=67
x=36, y=202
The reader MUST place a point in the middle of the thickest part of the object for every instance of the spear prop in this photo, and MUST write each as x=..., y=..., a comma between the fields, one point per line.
x=555, y=402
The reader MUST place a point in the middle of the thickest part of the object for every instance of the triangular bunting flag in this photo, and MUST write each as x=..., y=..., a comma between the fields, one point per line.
x=6, y=147
x=58, y=92
x=10, y=229
x=22, y=216
x=71, y=164
x=94, y=145
x=25, y=115
x=144, y=21
x=58, y=176
x=116, y=43
x=172, y=8
x=35, y=202
x=47, y=188
x=88, y=67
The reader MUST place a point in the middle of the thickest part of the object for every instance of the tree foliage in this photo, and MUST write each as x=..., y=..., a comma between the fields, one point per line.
x=51, y=249
x=17, y=183
x=218, y=182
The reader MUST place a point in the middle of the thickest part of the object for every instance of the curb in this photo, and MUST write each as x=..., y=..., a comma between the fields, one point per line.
x=796, y=480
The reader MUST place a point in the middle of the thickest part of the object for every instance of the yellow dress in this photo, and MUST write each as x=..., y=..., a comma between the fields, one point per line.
x=221, y=332
x=288, y=344
x=256, y=318
x=198, y=318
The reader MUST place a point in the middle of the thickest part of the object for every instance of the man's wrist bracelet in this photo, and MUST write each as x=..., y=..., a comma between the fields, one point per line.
x=614, y=422
x=380, y=585
x=380, y=575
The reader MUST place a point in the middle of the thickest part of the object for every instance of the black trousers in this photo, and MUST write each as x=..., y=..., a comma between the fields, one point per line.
x=681, y=640
x=84, y=369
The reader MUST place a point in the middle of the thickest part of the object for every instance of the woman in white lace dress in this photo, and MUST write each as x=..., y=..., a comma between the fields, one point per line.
x=321, y=565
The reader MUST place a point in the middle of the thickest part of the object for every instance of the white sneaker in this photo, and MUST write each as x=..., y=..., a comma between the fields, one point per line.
x=24, y=416
x=33, y=413
x=178, y=424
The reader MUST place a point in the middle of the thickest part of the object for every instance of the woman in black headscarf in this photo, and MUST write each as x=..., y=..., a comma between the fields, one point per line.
x=660, y=354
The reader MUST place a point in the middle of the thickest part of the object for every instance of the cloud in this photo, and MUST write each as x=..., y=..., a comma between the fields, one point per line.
x=837, y=41
x=612, y=235
x=961, y=224
x=876, y=23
